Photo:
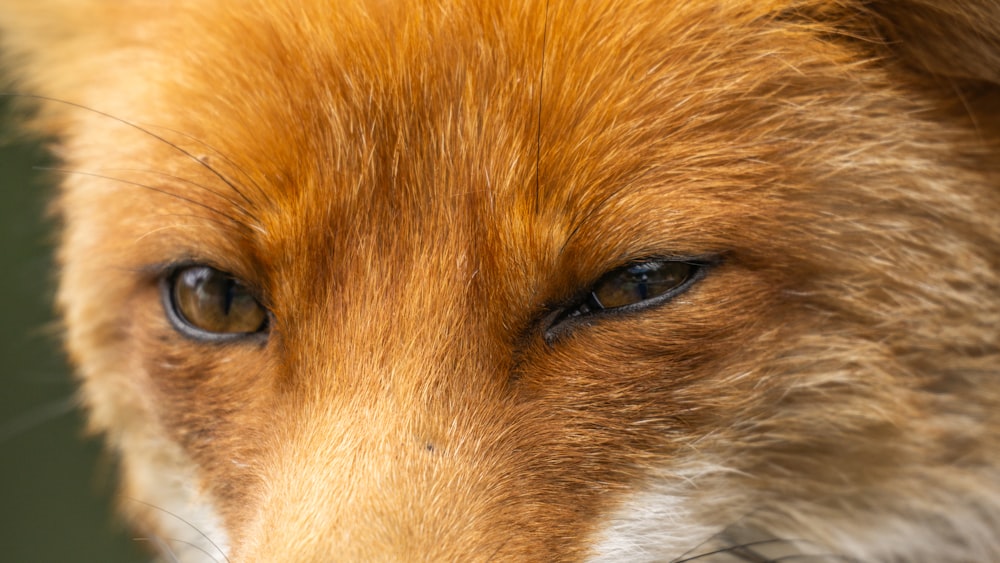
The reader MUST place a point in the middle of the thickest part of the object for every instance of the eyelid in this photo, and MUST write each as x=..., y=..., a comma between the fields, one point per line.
x=167, y=277
x=562, y=318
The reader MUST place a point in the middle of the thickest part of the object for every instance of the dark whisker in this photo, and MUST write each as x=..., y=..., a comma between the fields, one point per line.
x=733, y=549
x=746, y=552
x=538, y=124
x=239, y=207
x=142, y=129
x=231, y=218
x=253, y=183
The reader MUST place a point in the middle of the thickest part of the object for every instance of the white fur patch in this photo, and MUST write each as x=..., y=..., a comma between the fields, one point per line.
x=651, y=526
x=187, y=526
x=192, y=531
x=675, y=517
x=657, y=523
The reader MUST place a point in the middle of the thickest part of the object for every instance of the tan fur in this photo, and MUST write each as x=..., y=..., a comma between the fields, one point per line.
x=414, y=188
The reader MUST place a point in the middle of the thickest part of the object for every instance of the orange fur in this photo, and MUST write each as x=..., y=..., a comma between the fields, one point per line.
x=415, y=189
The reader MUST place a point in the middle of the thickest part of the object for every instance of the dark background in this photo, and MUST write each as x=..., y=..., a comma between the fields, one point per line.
x=56, y=485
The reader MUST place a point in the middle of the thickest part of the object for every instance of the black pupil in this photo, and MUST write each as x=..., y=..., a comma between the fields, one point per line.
x=211, y=286
x=215, y=302
x=638, y=279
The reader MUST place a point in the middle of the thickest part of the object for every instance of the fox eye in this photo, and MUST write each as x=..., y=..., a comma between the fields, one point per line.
x=632, y=288
x=207, y=304
x=637, y=284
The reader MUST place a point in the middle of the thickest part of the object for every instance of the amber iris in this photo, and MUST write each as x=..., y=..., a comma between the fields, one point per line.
x=639, y=282
x=212, y=301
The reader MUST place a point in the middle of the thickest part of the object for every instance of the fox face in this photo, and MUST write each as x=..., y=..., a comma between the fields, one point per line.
x=553, y=281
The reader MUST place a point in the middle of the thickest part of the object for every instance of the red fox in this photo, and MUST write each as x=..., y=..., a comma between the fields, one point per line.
x=492, y=280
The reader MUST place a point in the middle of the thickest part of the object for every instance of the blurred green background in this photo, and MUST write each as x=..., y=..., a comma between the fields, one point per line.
x=56, y=485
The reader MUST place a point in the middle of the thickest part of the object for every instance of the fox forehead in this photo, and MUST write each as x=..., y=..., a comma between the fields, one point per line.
x=464, y=129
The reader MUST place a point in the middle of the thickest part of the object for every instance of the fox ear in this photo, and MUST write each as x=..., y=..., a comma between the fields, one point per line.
x=950, y=38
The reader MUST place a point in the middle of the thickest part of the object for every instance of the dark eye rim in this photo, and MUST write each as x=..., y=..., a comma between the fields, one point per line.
x=564, y=318
x=180, y=324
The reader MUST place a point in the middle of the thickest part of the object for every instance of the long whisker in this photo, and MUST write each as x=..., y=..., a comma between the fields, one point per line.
x=732, y=549
x=232, y=185
x=253, y=183
x=189, y=524
x=538, y=124
x=746, y=552
x=163, y=545
x=231, y=218
x=243, y=210
x=165, y=549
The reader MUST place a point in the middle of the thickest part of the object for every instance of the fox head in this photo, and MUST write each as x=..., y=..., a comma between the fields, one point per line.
x=554, y=281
